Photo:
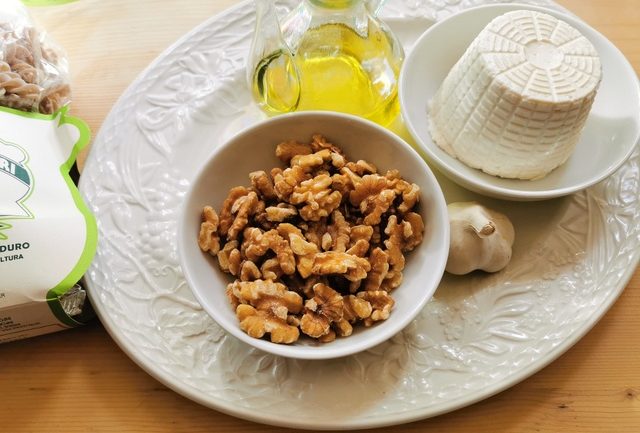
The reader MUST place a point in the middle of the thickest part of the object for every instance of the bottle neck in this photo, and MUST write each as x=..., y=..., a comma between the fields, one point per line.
x=334, y=4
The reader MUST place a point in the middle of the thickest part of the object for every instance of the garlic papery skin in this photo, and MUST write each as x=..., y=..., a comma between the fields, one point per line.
x=481, y=238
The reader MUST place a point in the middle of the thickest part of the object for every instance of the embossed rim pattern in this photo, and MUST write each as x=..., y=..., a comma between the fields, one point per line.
x=468, y=343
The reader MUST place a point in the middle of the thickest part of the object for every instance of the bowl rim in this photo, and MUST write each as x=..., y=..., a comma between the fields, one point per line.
x=487, y=187
x=324, y=351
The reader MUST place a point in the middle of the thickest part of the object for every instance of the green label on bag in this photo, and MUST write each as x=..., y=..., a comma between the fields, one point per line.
x=47, y=234
x=16, y=183
x=15, y=170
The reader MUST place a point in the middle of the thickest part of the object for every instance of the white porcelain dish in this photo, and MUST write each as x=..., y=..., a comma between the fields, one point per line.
x=478, y=335
x=254, y=149
x=610, y=135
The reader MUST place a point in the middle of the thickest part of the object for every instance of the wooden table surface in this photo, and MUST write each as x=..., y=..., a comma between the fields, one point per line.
x=80, y=381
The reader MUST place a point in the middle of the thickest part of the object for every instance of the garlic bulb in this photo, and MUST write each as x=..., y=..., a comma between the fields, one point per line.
x=481, y=238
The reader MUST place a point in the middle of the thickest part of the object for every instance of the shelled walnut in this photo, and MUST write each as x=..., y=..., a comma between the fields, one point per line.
x=317, y=246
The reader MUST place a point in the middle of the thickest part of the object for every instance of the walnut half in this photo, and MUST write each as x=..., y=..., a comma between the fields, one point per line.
x=258, y=323
x=324, y=308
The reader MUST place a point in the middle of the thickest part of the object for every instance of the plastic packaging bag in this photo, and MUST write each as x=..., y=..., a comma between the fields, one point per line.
x=47, y=234
x=33, y=70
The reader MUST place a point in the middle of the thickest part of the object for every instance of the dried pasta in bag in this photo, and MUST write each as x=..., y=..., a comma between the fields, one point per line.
x=33, y=70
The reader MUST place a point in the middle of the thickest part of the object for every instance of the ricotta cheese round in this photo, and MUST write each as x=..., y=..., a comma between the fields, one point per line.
x=515, y=103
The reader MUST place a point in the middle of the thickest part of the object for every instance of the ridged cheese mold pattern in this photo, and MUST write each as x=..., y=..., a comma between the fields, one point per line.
x=515, y=103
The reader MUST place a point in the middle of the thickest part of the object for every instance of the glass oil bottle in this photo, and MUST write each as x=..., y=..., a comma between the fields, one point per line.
x=328, y=55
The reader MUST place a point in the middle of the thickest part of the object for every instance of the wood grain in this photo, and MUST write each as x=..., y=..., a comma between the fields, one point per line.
x=79, y=381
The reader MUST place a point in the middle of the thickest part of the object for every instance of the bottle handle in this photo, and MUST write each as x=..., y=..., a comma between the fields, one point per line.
x=271, y=71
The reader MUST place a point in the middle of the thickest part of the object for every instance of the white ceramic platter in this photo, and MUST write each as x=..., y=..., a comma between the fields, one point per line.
x=611, y=132
x=479, y=335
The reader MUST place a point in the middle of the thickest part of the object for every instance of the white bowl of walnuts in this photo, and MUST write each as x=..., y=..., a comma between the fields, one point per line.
x=314, y=235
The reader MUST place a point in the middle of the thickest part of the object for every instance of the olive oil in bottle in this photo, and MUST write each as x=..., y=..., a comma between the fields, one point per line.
x=342, y=71
x=334, y=66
